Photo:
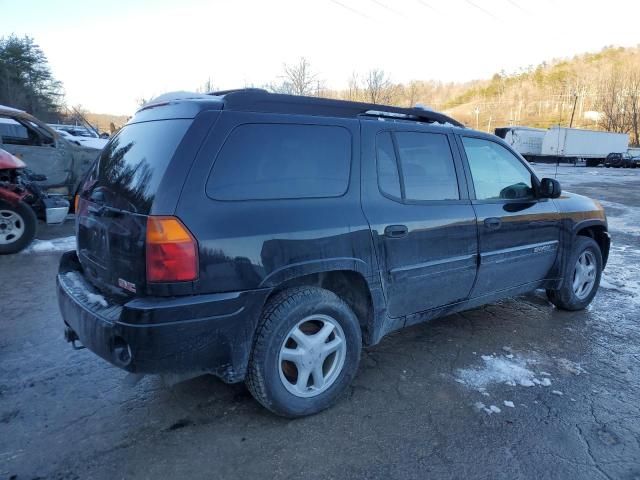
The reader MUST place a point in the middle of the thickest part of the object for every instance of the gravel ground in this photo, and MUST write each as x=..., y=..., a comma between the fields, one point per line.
x=515, y=389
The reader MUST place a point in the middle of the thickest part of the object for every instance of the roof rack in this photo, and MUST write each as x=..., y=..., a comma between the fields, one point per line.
x=259, y=100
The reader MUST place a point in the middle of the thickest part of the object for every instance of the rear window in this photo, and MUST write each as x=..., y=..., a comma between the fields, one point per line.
x=133, y=163
x=272, y=161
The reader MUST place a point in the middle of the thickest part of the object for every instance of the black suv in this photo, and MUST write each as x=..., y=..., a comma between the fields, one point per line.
x=267, y=238
x=620, y=160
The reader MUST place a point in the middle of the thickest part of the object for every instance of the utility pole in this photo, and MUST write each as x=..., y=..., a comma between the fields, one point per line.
x=477, y=112
x=575, y=101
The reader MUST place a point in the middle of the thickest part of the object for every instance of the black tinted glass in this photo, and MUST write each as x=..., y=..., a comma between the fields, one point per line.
x=270, y=161
x=133, y=163
x=427, y=166
x=497, y=173
x=388, y=177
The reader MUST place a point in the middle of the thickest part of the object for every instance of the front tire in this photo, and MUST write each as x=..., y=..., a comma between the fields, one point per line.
x=581, y=276
x=306, y=352
x=18, y=225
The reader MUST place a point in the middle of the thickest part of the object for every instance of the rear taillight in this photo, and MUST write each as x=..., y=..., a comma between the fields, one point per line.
x=172, y=252
x=76, y=201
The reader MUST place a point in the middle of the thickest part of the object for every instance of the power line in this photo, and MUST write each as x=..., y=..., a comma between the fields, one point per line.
x=486, y=12
x=519, y=7
x=430, y=7
x=386, y=7
x=352, y=10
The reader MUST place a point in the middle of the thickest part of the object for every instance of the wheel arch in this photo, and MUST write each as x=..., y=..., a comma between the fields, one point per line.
x=596, y=230
x=348, y=283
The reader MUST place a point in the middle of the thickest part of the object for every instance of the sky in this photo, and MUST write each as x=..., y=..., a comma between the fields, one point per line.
x=110, y=53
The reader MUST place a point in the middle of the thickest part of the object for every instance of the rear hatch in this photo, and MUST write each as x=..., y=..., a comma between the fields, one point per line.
x=116, y=199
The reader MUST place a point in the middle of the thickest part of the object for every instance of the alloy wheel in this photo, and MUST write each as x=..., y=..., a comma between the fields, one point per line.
x=312, y=356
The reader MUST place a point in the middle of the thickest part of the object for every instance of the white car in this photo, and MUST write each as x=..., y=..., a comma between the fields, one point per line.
x=91, y=142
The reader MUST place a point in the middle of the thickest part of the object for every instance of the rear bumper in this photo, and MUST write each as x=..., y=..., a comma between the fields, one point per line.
x=210, y=333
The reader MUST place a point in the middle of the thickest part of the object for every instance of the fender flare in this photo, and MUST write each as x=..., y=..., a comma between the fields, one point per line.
x=594, y=223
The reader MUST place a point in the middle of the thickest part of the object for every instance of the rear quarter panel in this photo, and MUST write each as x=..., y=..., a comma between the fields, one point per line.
x=254, y=244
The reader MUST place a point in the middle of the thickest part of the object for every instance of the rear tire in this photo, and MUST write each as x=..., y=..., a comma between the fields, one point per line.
x=581, y=277
x=18, y=225
x=293, y=370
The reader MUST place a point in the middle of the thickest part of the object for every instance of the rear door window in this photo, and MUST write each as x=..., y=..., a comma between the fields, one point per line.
x=427, y=166
x=425, y=171
x=277, y=161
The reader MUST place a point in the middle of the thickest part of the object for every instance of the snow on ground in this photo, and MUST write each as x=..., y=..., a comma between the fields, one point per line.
x=622, y=218
x=622, y=272
x=569, y=175
x=515, y=371
x=62, y=244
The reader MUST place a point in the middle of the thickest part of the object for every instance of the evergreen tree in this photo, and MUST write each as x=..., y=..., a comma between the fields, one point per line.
x=26, y=81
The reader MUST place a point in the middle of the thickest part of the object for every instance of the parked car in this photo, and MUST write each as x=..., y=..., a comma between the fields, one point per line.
x=83, y=140
x=44, y=151
x=22, y=204
x=620, y=160
x=267, y=238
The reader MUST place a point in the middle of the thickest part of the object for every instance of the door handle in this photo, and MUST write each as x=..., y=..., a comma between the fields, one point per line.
x=396, y=231
x=492, y=223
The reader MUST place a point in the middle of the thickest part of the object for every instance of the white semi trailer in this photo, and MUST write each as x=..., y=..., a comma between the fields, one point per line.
x=524, y=140
x=560, y=144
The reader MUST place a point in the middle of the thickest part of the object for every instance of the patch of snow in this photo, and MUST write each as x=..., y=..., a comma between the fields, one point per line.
x=491, y=409
x=510, y=371
x=92, y=298
x=62, y=244
x=570, y=366
x=557, y=392
x=508, y=403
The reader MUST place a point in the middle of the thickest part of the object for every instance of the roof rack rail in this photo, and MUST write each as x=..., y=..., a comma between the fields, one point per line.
x=220, y=93
x=259, y=100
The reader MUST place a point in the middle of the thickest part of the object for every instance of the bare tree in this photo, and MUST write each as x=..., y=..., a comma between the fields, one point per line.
x=206, y=87
x=411, y=92
x=633, y=105
x=378, y=87
x=298, y=79
x=354, y=92
x=611, y=102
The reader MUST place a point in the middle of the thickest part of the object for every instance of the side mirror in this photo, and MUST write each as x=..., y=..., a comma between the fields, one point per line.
x=550, y=188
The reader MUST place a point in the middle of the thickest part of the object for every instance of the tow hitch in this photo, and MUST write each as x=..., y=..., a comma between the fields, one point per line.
x=72, y=337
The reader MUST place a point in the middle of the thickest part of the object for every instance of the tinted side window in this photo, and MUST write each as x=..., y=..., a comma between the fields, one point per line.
x=427, y=165
x=270, y=161
x=496, y=172
x=388, y=178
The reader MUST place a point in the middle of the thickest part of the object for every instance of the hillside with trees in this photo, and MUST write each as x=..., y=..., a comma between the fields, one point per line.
x=597, y=90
